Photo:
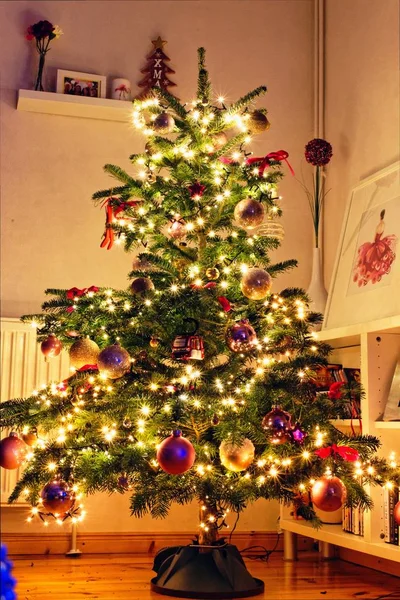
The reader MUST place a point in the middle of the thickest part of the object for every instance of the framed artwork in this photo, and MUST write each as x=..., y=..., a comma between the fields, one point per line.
x=75, y=83
x=366, y=279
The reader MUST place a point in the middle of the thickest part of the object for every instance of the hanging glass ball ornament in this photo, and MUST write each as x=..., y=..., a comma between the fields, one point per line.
x=177, y=229
x=51, y=346
x=83, y=352
x=219, y=140
x=175, y=454
x=164, y=123
x=113, y=362
x=297, y=434
x=249, y=213
x=154, y=342
x=257, y=122
x=277, y=422
x=236, y=457
x=57, y=497
x=212, y=273
x=255, y=284
x=241, y=337
x=270, y=227
x=123, y=482
x=30, y=438
x=329, y=493
x=141, y=285
x=12, y=452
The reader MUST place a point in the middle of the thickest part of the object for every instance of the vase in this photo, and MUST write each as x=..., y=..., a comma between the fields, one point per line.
x=316, y=290
x=39, y=83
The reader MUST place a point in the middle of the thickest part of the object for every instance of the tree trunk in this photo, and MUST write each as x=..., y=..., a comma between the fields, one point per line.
x=208, y=533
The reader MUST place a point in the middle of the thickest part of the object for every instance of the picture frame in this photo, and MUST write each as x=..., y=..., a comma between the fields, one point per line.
x=365, y=284
x=75, y=83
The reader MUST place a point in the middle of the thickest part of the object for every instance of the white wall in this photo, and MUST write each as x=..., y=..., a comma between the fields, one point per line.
x=51, y=165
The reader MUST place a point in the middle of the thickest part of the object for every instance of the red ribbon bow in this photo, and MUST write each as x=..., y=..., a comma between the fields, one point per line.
x=76, y=292
x=265, y=161
x=345, y=452
x=207, y=286
x=224, y=302
x=63, y=385
x=112, y=212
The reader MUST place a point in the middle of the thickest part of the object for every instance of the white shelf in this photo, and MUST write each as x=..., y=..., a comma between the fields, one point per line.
x=333, y=534
x=74, y=106
x=350, y=335
x=387, y=425
x=346, y=423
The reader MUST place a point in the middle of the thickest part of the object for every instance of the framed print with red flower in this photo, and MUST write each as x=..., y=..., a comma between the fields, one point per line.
x=366, y=279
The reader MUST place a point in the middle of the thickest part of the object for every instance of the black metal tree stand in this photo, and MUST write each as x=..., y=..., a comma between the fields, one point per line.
x=198, y=571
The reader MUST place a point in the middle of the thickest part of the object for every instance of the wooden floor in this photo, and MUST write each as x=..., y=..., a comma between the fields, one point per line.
x=126, y=577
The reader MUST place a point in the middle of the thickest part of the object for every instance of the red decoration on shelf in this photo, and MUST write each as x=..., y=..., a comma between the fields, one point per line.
x=349, y=454
x=329, y=493
x=265, y=161
x=175, y=454
x=335, y=390
x=156, y=72
x=12, y=452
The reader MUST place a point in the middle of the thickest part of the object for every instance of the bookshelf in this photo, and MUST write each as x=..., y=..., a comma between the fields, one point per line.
x=373, y=348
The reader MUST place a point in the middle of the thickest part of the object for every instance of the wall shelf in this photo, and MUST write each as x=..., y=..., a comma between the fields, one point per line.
x=74, y=106
x=387, y=425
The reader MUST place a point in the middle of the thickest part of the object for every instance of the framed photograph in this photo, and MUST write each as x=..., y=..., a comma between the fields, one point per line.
x=366, y=279
x=74, y=83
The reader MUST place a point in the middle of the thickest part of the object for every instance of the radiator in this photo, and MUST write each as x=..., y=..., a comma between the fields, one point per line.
x=24, y=369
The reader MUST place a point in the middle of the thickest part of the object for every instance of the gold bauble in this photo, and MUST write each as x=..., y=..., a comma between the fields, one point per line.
x=258, y=122
x=154, y=342
x=256, y=284
x=84, y=352
x=212, y=273
x=236, y=457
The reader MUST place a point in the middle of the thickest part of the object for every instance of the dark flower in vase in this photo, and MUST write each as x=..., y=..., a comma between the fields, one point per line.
x=318, y=152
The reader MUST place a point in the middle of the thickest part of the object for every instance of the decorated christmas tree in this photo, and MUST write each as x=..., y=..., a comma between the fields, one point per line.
x=198, y=381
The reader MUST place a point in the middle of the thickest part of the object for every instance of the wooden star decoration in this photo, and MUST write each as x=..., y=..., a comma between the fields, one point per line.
x=158, y=43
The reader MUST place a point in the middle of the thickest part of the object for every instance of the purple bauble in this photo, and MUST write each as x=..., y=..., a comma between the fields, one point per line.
x=114, y=361
x=164, y=123
x=241, y=337
x=123, y=482
x=297, y=434
x=175, y=454
x=277, y=421
x=57, y=497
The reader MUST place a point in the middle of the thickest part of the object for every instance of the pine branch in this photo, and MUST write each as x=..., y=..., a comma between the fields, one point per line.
x=245, y=100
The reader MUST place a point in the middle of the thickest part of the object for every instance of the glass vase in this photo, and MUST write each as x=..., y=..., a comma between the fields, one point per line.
x=39, y=78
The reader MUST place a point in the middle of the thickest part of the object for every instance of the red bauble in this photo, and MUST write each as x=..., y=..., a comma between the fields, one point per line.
x=57, y=497
x=175, y=454
x=329, y=493
x=12, y=452
x=396, y=513
x=51, y=346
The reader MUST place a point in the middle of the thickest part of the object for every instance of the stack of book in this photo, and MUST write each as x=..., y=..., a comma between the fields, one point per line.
x=390, y=527
x=353, y=520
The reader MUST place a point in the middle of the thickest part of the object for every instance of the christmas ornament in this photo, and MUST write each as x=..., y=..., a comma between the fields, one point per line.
x=177, y=229
x=12, y=451
x=328, y=493
x=30, y=438
x=51, y=346
x=270, y=160
x=154, y=342
x=156, y=72
x=215, y=420
x=196, y=190
x=175, y=454
x=219, y=140
x=164, y=123
x=396, y=513
x=141, y=264
x=141, y=285
x=258, y=122
x=277, y=422
x=57, y=497
x=318, y=152
x=255, y=284
x=297, y=434
x=83, y=352
x=345, y=452
x=127, y=423
x=188, y=346
x=114, y=361
x=241, y=336
x=123, y=482
x=212, y=273
x=237, y=457
x=270, y=228
x=249, y=213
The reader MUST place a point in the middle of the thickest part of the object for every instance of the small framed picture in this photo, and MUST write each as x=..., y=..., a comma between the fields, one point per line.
x=74, y=83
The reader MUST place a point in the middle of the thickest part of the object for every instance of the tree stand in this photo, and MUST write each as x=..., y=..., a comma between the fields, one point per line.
x=197, y=571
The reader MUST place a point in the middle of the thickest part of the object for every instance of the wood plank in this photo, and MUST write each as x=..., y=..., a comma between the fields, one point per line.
x=113, y=577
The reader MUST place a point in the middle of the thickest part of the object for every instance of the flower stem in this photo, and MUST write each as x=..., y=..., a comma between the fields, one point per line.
x=317, y=205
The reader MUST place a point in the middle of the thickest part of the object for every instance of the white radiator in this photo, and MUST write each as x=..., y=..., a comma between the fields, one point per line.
x=24, y=369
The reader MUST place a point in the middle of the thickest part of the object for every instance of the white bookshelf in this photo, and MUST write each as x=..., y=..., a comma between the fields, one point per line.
x=373, y=348
x=50, y=103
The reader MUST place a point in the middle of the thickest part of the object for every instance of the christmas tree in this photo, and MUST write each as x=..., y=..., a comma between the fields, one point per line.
x=157, y=71
x=198, y=381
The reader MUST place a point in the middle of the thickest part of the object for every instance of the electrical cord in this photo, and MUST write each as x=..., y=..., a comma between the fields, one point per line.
x=265, y=555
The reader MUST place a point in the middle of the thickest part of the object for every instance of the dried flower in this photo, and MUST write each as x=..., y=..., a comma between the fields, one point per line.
x=318, y=152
